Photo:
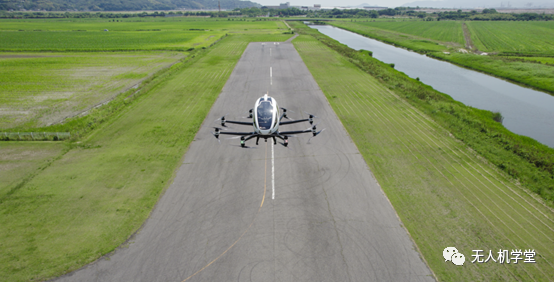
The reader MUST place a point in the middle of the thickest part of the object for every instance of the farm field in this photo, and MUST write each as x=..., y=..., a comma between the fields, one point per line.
x=141, y=24
x=38, y=89
x=53, y=69
x=413, y=41
x=106, y=41
x=516, y=37
x=101, y=191
x=446, y=31
x=444, y=194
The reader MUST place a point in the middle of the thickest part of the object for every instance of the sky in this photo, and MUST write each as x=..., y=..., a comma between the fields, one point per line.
x=383, y=3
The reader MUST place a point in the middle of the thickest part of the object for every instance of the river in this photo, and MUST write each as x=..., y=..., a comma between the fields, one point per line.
x=525, y=111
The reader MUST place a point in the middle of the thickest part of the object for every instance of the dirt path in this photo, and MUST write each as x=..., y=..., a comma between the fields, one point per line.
x=467, y=37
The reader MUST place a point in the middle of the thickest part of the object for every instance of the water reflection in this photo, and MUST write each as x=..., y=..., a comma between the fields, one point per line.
x=526, y=111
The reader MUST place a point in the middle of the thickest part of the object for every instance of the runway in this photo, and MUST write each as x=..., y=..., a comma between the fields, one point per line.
x=309, y=212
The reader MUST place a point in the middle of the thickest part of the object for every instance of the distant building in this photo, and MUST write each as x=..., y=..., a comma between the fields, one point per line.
x=308, y=8
x=376, y=8
x=284, y=5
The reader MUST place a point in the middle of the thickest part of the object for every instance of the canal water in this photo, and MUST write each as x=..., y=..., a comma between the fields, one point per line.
x=525, y=111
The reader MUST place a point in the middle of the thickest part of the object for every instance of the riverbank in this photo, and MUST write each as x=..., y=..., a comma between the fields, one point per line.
x=526, y=160
x=532, y=74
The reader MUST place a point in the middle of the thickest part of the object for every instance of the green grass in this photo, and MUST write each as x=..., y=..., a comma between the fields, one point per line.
x=93, y=198
x=542, y=60
x=520, y=37
x=21, y=160
x=37, y=89
x=444, y=193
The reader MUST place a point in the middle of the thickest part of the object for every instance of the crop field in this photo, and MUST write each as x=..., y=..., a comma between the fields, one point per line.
x=105, y=41
x=141, y=24
x=42, y=82
x=443, y=192
x=521, y=37
x=411, y=41
x=37, y=89
x=443, y=31
x=91, y=199
x=124, y=35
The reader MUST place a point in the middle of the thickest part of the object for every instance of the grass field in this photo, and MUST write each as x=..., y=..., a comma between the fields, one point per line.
x=521, y=37
x=446, y=31
x=412, y=41
x=106, y=41
x=138, y=24
x=37, y=89
x=178, y=34
x=444, y=194
x=89, y=201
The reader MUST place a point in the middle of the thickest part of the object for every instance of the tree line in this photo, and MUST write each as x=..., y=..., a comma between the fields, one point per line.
x=484, y=15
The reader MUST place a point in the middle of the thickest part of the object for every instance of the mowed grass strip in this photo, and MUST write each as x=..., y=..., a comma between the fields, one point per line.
x=21, y=160
x=444, y=194
x=91, y=200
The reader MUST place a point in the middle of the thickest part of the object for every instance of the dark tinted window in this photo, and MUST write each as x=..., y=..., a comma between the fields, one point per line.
x=265, y=115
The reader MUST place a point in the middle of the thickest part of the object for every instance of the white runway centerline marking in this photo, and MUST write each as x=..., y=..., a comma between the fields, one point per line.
x=271, y=75
x=272, y=173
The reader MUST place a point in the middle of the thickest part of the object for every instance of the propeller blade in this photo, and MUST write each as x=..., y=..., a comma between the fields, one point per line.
x=316, y=134
x=311, y=115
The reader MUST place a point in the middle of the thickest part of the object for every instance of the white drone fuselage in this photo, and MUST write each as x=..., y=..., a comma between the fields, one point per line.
x=266, y=115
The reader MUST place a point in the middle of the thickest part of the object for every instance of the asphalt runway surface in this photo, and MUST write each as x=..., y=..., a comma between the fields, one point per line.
x=309, y=212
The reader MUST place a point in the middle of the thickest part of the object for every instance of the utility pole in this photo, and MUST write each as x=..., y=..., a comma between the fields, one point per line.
x=219, y=5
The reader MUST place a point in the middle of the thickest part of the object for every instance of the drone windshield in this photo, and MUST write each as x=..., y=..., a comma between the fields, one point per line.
x=265, y=115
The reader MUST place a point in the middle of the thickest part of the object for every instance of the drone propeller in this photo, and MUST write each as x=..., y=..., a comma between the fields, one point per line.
x=315, y=134
x=216, y=134
x=222, y=120
x=285, y=111
x=311, y=117
x=250, y=113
